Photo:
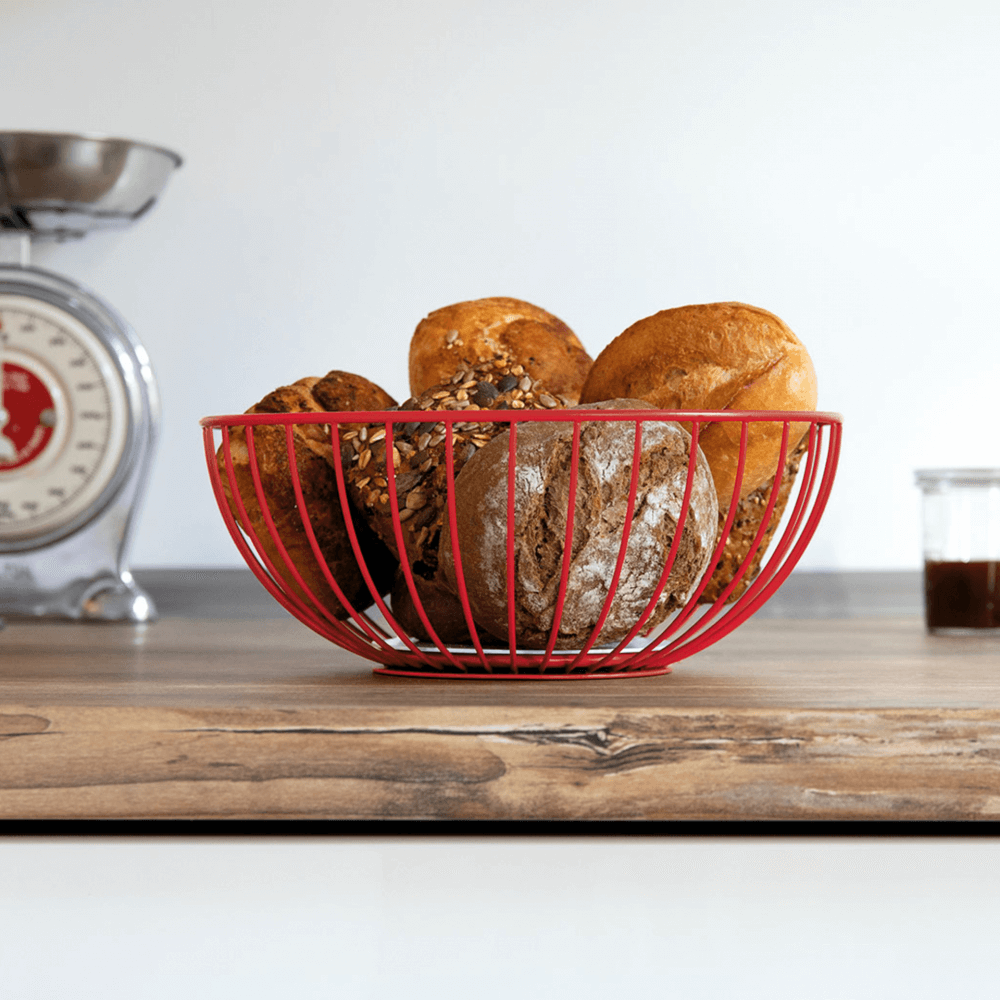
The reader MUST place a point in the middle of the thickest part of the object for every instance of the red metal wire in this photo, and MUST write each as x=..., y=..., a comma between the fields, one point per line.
x=511, y=535
x=574, y=467
x=257, y=558
x=397, y=527
x=368, y=628
x=691, y=609
x=617, y=652
x=705, y=634
x=463, y=597
x=622, y=550
x=691, y=629
x=337, y=627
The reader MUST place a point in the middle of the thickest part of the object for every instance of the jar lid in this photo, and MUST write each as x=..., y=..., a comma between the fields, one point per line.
x=930, y=478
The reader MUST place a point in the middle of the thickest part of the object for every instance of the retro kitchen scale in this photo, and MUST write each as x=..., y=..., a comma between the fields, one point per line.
x=79, y=410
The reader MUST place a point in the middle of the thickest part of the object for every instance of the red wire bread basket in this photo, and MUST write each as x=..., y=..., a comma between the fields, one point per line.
x=660, y=632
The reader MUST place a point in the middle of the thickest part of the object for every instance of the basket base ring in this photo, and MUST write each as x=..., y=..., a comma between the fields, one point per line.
x=510, y=675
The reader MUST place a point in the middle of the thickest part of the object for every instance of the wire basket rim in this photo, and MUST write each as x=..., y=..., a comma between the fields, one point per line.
x=562, y=414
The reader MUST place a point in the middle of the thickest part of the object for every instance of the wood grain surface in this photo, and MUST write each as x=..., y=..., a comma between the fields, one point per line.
x=557, y=764
x=864, y=718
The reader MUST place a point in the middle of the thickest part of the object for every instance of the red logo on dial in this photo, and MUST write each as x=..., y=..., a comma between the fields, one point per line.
x=27, y=417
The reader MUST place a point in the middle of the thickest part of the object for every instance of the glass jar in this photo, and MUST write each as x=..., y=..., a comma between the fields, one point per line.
x=961, y=537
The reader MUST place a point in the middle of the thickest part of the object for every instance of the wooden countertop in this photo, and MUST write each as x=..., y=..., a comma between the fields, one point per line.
x=832, y=703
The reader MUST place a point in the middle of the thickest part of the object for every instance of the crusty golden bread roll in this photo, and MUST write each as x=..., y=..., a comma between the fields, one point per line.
x=469, y=332
x=314, y=460
x=718, y=356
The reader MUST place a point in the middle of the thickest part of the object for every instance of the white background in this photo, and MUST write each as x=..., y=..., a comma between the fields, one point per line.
x=351, y=166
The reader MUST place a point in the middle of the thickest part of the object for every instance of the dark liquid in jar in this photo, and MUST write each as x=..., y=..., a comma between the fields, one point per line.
x=962, y=594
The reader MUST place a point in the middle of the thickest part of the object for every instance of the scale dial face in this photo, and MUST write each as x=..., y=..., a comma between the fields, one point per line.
x=64, y=419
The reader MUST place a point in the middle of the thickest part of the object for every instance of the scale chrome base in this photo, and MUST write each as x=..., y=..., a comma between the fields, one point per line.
x=105, y=597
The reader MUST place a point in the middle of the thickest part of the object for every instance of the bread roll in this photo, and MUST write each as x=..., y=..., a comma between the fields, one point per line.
x=541, y=502
x=420, y=457
x=720, y=356
x=442, y=608
x=470, y=332
x=314, y=460
x=746, y=522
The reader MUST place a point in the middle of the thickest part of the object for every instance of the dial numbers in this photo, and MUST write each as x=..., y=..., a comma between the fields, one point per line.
x=63, y=417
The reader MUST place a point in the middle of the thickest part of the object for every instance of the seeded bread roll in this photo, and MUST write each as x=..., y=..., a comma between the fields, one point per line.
x=720, y=356
x=541, y=501
x=314, y=461
x=470, y=332
x=419, y=456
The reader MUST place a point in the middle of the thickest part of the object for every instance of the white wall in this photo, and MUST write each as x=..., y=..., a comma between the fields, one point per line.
x=351, y=166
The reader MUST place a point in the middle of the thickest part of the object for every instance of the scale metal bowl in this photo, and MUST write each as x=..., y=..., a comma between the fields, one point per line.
x=64, y=185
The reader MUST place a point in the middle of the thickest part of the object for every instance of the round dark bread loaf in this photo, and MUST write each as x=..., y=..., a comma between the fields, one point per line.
x=314, y=460
x=419, y=453
x=466, y=333
x=541, y=501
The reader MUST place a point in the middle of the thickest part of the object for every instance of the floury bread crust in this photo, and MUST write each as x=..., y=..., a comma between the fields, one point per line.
x=719, y=356
x=467, y=333
x=541, y=499
x=314, y=461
